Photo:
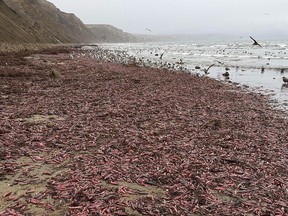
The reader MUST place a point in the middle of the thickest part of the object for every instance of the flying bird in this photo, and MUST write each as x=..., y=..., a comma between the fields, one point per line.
x=147, y=29
x=221, y=63
x=206, y=70
x=255, y=42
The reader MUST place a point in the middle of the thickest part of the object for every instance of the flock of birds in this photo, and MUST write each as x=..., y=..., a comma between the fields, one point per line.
x=120, y=56
x=255, y=43
x=123, y=57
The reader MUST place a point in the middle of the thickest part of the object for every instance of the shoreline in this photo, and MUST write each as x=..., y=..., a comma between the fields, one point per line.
x=109, y=138
x=12, y=47
x=261, y=70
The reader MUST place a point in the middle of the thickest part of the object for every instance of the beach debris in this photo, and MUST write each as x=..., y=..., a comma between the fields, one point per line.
x=181, y=145
x=255, y=43
x=197, y=67
x=282, y=70
x=161, y=56
x=55, y=74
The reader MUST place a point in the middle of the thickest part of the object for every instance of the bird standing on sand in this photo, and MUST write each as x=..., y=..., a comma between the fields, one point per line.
x=285, y=79
x=180, y=62
x=262, y=69
x=226, y=74
x=255, y=42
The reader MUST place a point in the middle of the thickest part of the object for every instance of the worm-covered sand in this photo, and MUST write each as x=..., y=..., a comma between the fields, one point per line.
x=80, y=136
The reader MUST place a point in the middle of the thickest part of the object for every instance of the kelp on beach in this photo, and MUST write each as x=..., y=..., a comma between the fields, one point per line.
x=104, y=138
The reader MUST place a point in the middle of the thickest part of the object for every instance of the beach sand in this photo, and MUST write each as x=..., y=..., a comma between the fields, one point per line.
x=86, y=137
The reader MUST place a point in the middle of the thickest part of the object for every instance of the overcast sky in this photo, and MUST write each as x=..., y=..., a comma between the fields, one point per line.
x=183, y=16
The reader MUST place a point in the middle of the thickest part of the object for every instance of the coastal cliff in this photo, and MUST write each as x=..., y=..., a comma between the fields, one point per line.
x=108, y=33
x=39, y=21
x=42, y=22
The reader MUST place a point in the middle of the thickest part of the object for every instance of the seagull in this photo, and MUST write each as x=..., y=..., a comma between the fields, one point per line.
x=206, y=70
x=180, y=62
x=147, y=29
x=220, y=62
x=227, y=69
x=255, y=42
x=226, y=74
x=285, y=79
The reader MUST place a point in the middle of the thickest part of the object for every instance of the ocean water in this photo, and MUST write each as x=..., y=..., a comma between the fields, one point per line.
x=258, y=68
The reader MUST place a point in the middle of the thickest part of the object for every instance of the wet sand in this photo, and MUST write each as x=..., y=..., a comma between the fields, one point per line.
x=261, y=69
x=84, y=136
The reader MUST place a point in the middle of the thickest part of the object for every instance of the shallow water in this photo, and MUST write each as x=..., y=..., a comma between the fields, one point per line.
x=245, y=62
